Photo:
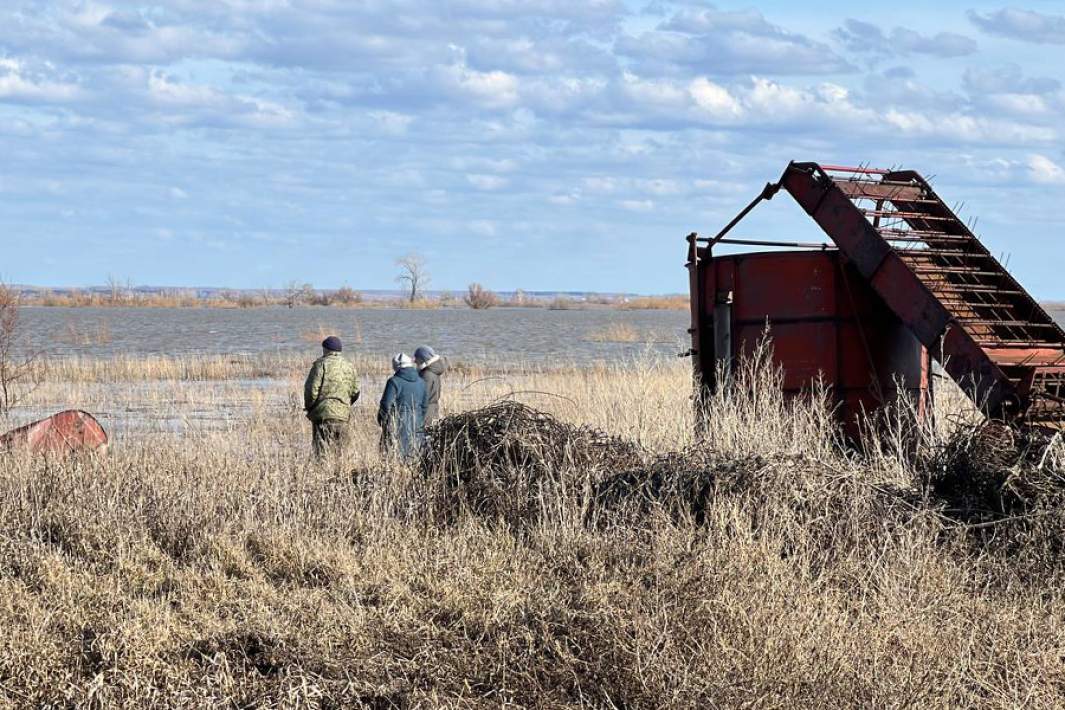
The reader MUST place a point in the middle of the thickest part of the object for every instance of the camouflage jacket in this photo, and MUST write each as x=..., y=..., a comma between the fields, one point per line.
x=331, y=388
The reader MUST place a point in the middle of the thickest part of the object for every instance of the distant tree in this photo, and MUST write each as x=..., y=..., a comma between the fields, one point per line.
x=520, y=298
x=118, y=290
x=297, y=293
x=478, y=297
x=413, y=274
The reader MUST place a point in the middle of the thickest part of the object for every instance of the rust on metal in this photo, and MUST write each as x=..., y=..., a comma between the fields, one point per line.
x=826, y=325
x=932, y=273
x=71, y=431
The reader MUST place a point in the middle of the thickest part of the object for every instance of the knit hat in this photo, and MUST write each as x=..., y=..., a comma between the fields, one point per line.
x=424, y=354
x=401, y=360
x=333, y=344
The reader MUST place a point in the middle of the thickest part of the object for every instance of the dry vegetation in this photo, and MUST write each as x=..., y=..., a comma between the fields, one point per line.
x=476, y=297
x=617, y=333
x=212, y=563
x=657, y=303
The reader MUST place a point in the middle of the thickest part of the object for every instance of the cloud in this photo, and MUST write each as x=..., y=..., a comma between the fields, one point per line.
x=491, y=89
x=637, y=205
x=1007, y=79
x=717, y=42
x=714, y=99
x=1044, y=170
x=866, y=38
x=194, y=104
x=1024, y=25
x=323, y=126
x=18, y=83
x=487, y=182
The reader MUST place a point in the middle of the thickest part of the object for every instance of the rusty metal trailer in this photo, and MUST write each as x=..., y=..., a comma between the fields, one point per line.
x=932, y=273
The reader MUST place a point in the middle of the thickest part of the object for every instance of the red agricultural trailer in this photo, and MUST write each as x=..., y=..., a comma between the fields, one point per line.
x=903, y=259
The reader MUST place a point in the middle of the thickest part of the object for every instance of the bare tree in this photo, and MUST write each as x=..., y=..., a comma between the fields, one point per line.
x=413, y=273
x=18, y=372
x=114, y=285
x=478, y=297
x=297, y=293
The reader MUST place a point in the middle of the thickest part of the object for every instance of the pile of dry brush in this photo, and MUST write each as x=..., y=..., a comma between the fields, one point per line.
x=502, y=463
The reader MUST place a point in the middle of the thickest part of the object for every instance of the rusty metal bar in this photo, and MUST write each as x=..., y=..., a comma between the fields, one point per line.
x=766, y=243
x=768, y=191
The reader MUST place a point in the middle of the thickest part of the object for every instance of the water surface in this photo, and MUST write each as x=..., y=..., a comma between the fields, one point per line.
x=500, y=334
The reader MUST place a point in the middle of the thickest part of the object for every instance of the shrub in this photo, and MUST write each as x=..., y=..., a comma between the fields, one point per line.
x=347, y=296
x=478, y=297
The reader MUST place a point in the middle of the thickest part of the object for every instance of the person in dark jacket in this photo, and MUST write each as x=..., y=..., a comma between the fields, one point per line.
x=331, y=388
x=431, y=367
x=402, y=411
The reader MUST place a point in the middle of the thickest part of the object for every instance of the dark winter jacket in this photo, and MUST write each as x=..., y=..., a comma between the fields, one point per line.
x=431, y=374
x=402, y=411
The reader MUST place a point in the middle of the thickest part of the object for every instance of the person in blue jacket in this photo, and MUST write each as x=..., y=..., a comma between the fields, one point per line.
x=403, y=408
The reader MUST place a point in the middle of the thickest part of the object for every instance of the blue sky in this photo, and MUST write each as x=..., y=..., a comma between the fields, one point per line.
x=540, y=144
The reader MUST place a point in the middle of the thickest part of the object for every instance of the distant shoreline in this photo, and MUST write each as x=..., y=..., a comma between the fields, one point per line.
x=326, y=300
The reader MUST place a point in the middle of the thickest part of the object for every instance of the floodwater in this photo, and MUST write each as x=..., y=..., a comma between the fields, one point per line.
x=531, y=335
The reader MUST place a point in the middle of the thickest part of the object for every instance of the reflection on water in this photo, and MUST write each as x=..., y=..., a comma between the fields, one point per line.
x=521, y=334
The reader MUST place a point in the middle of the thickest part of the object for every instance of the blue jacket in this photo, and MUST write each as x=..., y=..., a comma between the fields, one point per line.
x=402, y=411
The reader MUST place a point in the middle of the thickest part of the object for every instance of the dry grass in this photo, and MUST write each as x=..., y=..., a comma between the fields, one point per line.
x=617, y=333
x=215, y=565
x=657, y=303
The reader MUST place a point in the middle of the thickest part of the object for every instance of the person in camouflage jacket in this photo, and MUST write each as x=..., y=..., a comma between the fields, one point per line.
x=332, y=387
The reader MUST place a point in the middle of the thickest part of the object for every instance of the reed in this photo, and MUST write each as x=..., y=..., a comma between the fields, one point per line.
x=207, y=561
x=617, y=333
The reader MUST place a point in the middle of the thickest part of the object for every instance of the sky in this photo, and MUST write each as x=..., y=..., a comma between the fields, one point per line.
x=536, y=144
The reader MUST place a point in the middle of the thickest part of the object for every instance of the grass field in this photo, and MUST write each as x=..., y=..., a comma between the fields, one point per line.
x=213, y=564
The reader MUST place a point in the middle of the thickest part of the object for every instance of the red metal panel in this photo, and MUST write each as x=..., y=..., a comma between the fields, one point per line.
x=783, y=288
x=805, y=351
x=826, y=325
x=71, y=431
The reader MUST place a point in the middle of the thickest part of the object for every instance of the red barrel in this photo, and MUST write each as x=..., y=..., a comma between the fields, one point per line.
x=824, y=321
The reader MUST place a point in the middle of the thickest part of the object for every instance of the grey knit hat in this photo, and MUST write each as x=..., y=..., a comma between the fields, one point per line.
x=424, y=354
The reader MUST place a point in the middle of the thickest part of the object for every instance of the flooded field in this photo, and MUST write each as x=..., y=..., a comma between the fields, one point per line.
x=532, y=335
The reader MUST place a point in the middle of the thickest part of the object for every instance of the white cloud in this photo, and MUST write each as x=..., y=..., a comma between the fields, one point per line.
x=714, y=99
x=17, y=84
x=491, y=89
x=1044, y=170
x=486, y=182
x=637, y=205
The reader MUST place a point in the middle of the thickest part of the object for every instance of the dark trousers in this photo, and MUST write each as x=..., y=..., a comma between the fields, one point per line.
x=328, y=436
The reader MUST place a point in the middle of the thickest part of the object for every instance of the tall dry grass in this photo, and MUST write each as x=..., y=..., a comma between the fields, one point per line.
x=221, y=567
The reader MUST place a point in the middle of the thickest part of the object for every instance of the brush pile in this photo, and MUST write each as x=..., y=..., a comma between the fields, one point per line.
x=994, y=470
x=497, y=461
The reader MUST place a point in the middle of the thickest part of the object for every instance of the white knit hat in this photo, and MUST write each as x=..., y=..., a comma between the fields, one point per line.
x=401, y=360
